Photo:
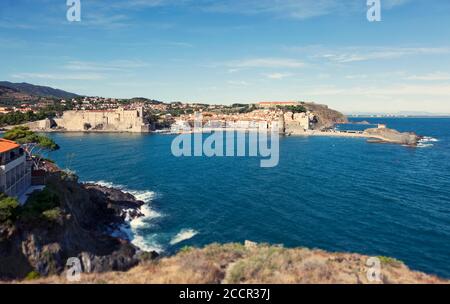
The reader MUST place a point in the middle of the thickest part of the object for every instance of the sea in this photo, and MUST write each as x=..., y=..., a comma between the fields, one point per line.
x=335, y=194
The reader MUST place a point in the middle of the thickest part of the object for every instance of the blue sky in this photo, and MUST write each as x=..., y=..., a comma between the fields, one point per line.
x=227, y=51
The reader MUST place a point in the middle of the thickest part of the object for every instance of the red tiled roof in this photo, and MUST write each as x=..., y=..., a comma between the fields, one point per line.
x=277, y=102
x=7, y=145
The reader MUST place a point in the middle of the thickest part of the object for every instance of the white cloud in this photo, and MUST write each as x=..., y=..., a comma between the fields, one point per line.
x=362, y=53
x=118, y=65
x=356, y=55
x=231, y=71
x=267, y=63
x=278, y=76
x=357, y=76
x=239, y=83
x=76, y=76
x=389, y=4
x=436, y=76
x=298, y=9
x=392, y=91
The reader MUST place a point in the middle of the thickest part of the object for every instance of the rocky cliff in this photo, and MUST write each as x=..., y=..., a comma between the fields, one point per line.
x=81, y=228
x=324, y=116
x=251, y=263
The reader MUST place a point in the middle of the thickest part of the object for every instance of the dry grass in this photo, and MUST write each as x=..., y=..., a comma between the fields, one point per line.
x=235, y=263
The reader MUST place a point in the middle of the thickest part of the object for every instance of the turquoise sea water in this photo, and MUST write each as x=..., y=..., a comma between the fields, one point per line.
x=338, y=194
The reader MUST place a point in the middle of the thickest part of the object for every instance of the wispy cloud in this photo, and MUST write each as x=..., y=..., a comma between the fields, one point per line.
x=357, y=76
x=118, y=65
x=84, y=70
x=278, y=76
x=59, y=76
x=436, y=76
x=389, y=4
x=266, y=63
x=366, y=54
x=12, y=24
x=240, y=83
x=391, y=91
x=299, y=9
x=363, y=53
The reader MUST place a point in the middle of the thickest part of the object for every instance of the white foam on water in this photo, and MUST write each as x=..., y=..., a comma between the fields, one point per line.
x=183, y=235
x=131, y=228
x=421, y=145
x=429, y=139
x=426, y=141
x=147, y=245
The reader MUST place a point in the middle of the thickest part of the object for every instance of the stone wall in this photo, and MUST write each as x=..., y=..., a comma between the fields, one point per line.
x=297, y=122
x=118, y=120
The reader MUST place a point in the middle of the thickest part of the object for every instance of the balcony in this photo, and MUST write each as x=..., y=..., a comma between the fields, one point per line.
x=8, y=157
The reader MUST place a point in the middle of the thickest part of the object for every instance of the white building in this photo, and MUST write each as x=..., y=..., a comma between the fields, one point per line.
x=15, y=172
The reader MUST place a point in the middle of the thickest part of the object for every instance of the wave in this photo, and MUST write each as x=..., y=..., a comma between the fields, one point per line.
x=131, y=228
x=429, y=139
x=183, y=235
x=421, y=145
x=426, y=141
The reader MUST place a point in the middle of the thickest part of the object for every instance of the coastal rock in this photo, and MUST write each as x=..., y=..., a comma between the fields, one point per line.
x=250, y=244
x=89, y=213
x=364, y=122
x=393, y=136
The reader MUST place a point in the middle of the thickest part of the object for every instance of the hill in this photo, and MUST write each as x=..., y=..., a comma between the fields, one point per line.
x=325, y=117
x=34, y=90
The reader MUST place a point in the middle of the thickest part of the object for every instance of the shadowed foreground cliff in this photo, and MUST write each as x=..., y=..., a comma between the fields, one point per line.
x=68, y=219
x=236, y=263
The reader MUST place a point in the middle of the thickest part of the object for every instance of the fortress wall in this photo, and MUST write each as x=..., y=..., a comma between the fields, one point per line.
x=116, y=120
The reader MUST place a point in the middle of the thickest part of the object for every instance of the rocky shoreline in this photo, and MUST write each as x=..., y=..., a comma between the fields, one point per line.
x=89, y=214
x=374, y=135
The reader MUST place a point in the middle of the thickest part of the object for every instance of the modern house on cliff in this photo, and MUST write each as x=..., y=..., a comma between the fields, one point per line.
x=15, y=174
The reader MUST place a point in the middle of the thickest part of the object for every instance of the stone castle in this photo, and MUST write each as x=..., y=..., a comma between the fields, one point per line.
x=104, y=120
x=116, y=120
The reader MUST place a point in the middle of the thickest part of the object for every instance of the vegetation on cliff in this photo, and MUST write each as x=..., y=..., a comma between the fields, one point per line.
x=16, y=118
x=67, y=219
x=9, y=207
x=239, y=264
x=35, y=145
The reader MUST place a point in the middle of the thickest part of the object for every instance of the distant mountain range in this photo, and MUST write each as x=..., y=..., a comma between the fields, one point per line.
x=399, y=114
x=7, y=87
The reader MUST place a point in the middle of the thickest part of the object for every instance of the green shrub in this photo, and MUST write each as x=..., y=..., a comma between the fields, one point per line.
x=45, y=201
x=294, y=109
x=52, y=215
x=33, y=275
x=389, y=261
x=186, y=249
x=8, y=209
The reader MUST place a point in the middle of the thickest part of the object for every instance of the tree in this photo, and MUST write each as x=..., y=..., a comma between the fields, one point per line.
x=294, y=109
x=34, y=144
x=8, y=209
